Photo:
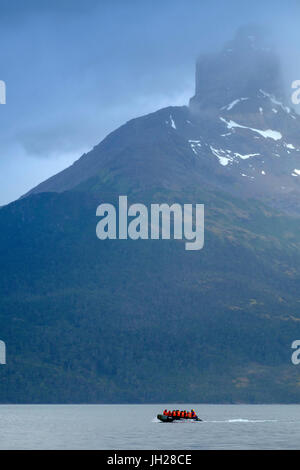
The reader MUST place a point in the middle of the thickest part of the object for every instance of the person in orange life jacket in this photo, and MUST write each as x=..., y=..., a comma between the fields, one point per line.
x=181, y=414
x=174, y=413
x=189, y=414
x=178, y=413
x=165, y=412
x=169, y=413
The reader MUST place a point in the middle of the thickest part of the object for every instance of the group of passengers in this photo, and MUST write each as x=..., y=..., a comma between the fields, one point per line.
x=180, y=414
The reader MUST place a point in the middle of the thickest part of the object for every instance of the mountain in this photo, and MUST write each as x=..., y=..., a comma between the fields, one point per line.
x=239, y=134
x=86, y=320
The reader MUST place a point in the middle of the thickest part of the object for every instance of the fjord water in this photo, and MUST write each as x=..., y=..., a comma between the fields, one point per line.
x=136, y=427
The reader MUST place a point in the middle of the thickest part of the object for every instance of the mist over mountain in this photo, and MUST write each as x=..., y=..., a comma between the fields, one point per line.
x=245, y=65
x=86, y=320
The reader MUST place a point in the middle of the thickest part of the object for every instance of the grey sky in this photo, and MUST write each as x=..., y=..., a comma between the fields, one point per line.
x=75, y=70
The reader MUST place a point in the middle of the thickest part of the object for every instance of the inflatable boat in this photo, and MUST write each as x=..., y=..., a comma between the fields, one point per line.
x=170, y=419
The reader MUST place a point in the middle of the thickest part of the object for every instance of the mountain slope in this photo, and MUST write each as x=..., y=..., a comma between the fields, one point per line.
x=250, y=153
x=86, y=320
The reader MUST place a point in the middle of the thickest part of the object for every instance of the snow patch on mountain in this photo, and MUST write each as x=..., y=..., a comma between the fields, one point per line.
x=222, y=155
x=289, y=146
x=247, y=176
x=233, y=103
x=275, y=101
x=195, y=145
x=269, y=133
x=172, y=122
x=245, y=157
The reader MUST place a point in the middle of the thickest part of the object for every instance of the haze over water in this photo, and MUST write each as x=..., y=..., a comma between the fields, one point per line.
x=136, y=427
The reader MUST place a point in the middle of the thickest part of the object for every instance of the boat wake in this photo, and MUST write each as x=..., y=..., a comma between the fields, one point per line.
x=242, y=420
x=233, y=420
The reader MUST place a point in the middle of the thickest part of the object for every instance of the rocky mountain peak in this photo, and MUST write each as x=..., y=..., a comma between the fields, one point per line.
x=242, y=68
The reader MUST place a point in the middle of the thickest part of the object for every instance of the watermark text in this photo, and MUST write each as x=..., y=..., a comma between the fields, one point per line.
x=2, y=92
x=162, y=221
x=2, y=352
x=296, y=95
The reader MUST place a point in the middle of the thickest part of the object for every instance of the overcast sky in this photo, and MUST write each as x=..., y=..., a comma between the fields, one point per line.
x=77, y=69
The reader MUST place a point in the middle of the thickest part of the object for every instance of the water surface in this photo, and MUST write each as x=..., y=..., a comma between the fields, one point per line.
x=136, y=427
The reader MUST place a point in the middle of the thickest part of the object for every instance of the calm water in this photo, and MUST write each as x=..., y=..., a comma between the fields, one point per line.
x=136, y=427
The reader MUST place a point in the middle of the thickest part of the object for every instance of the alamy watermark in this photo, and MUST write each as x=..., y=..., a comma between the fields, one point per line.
x=296, y=354
x=162, y=221
x=2, y=352
x=296, y=95
x=2, y=92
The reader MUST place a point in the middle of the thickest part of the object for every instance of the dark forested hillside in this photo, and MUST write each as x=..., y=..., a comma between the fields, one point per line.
x=89, y=320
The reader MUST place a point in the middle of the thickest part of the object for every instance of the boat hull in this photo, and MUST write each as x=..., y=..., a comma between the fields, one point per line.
x=170, y=419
